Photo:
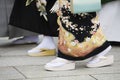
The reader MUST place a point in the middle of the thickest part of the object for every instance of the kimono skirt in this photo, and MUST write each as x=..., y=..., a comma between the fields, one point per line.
x=80, y=35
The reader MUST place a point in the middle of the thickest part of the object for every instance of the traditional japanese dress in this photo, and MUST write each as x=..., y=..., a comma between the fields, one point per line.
x=80, y=35
x=28, y=17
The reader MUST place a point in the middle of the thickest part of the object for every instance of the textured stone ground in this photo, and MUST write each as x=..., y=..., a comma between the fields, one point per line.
x=16, y=65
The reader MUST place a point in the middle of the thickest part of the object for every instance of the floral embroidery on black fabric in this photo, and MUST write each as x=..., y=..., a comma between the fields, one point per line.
x=83, y=28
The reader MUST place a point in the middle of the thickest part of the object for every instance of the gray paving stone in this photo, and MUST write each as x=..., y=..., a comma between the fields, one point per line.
x=107, y=77
x=15, y=50
x=9, y=73
x=38, y=71
x=13, y=53
x=81, y=77
x=23, y=60
x=33, y=67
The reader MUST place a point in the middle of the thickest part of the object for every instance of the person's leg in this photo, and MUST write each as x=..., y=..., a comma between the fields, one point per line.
x=45, y=48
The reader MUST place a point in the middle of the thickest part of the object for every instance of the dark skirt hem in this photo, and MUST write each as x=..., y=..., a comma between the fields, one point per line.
x=93, y=53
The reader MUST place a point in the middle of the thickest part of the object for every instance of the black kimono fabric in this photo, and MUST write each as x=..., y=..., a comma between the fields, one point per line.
x=27, y=17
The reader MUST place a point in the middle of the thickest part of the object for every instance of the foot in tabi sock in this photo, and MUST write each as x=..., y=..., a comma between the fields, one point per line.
x=26, y=40
x=101, y=60
x=45, y=48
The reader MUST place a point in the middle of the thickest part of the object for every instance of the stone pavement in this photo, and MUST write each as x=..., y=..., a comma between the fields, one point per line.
x=16, y=65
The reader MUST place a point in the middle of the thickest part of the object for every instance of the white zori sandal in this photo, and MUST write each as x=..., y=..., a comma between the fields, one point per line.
x=59, y=64
x=100, y=60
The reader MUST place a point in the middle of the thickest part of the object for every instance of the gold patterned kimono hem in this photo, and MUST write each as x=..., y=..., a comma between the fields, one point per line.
x=80, y=35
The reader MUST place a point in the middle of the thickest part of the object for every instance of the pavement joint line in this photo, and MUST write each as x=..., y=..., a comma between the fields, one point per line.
x=93, y=77
x=28, y=65
x=105, y=73
x=23, y=65
x=58, y=76
x=19, y=72
x=14, y=56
